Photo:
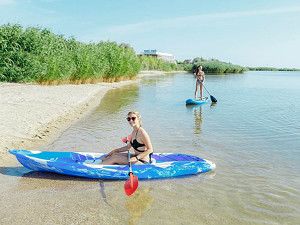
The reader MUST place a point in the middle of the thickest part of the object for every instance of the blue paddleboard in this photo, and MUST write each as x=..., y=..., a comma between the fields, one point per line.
x=191, y=101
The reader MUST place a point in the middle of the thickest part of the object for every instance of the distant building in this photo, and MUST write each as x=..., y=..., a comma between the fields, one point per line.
x=160, y=55
x=187, y=61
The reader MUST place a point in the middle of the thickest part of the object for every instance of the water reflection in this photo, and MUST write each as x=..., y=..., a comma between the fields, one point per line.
x=138, y=204
x=213, y=104
x=116, y=99
x=102, y=192
x=38, y=180
x=197, y=119
x=15, y=171
x=197, y=112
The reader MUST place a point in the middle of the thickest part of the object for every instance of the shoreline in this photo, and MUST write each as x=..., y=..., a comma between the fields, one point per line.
x=51, y=110
x=34, y=115
x=158, y=72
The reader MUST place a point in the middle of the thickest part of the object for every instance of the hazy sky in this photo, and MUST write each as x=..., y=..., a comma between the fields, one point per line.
x=246, y=32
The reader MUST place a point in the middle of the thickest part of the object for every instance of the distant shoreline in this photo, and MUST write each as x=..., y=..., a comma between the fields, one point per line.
x=271, y=69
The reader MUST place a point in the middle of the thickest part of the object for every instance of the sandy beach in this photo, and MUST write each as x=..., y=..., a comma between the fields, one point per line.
x=32, y=115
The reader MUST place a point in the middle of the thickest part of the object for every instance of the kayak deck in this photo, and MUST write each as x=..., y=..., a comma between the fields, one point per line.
x=86, y=164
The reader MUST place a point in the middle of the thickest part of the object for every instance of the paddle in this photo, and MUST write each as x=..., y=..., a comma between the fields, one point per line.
x=132, y=182
x=212, y=98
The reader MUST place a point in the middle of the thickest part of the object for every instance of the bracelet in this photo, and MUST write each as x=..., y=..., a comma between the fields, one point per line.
x=137, y=158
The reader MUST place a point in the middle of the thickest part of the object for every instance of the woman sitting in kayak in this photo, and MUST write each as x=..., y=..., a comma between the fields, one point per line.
x=200, y=77
x=140, y=142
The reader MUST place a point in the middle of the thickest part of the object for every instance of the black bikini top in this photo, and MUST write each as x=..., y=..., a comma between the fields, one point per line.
x=135, y=144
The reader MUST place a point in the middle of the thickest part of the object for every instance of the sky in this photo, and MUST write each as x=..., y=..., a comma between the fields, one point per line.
x=244, y=32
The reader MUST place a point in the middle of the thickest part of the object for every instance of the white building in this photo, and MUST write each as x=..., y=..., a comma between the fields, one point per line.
x=160, y=55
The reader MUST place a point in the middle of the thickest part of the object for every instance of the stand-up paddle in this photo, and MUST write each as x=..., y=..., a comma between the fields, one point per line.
x=212, y=98
x=132, y=182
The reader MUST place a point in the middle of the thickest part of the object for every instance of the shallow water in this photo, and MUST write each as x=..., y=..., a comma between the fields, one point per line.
x=252, y=134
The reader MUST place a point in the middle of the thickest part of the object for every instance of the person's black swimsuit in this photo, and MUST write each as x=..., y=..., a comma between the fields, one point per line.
x=135, y=144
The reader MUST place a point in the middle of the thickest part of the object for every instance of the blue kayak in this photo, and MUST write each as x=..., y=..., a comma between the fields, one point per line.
x=85, y=164
x=191, y=101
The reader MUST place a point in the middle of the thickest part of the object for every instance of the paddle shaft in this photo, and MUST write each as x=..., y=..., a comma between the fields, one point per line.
x=130, y=170
x=212, y=98
x=206, y=89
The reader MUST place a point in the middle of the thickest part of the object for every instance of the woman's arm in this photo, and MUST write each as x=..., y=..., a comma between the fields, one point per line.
x=147, y=142
x=203, y=76
x=123, y=149
x=117, y=150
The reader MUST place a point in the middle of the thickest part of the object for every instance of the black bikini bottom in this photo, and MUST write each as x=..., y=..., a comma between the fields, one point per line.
x=145, y=162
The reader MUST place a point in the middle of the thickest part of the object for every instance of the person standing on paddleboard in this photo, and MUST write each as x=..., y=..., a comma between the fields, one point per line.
x=139, y=141
x=200, y=77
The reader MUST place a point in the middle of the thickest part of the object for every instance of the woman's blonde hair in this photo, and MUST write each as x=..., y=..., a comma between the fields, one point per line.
x=138, y=115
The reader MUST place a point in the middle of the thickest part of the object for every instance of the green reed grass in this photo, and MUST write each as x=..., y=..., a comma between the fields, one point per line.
x=152, y=63
x=38, y=55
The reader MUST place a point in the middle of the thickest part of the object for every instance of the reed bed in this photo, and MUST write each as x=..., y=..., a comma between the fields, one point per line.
x=213, y=66
x=152, y=63
x=38, y=55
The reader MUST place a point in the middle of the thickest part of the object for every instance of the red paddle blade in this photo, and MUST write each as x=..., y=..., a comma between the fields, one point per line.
x=131, y=185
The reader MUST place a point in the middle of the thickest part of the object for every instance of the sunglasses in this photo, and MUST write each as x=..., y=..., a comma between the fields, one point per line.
x=131, y=118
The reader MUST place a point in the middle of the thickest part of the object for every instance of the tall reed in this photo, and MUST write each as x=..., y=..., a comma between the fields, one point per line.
x=38, y=55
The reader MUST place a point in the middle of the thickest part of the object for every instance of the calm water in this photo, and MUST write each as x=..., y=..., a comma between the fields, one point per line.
x=252, y=134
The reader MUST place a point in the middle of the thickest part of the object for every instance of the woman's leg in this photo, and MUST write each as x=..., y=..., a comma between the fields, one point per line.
x=196, y=89
x=118, y=158
x=201, y=90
